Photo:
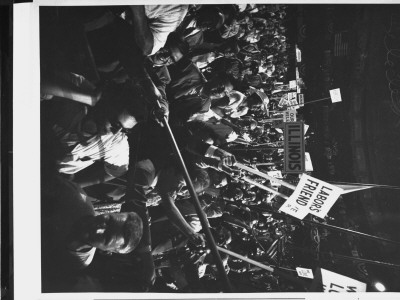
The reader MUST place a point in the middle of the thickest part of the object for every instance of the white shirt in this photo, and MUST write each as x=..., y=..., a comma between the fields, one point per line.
x=112, y=148
x=164, y=19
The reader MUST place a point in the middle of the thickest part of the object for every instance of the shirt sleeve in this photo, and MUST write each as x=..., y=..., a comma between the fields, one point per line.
x=82, y=259
x=117, y=161
x=165, y=23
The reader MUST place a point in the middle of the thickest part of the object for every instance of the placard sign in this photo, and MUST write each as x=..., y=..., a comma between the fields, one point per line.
x=336, y=283
x=284, y=100
x=292, y=95
x=294, y=207
x=292, y=84
x=294, y=161
x=306, y=273
x=292, y=98
x=289, y=115
x=300, y=98
x=312, y=196
x=309, y=166
x=275, y=174
x=335, y=95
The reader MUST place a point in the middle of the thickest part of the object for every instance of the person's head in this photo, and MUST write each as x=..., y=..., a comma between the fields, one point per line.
x=114, y=232
x=219, y=86
x=257, y=132
x=235, y=194
x=246, y=123
x=201, y=180
x=218, y=179
x=223, y=236
x=121, y=109
x=175, y=48
x=209, y=17
x=204, y=132
x=256, y=101
x=229, y=48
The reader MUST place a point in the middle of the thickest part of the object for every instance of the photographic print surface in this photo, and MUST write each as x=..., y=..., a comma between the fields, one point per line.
x=247, y=148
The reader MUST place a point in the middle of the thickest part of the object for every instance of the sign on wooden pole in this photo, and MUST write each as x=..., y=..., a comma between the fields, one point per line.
x=294, y=159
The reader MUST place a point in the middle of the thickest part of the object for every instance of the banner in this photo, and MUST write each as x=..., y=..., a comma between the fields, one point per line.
x=336, y=283
x=312, y=196
x=289, y=115
x=335, y=95
x=294, y=161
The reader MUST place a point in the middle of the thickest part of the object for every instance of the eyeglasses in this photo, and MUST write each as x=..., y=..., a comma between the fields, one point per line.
x=165, y=56
x=117, y=127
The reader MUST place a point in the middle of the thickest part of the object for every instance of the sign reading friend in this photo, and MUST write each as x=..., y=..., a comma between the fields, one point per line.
x=294, y=161
x=312, y=196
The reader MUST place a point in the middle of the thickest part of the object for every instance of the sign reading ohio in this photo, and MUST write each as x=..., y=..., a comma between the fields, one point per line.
x=294, y=159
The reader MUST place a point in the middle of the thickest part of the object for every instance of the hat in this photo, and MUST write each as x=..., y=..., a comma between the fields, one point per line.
x=264, y=98
x=236, y=96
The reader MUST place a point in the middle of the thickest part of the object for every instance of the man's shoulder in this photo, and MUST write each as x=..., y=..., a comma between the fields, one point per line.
x=162, y=11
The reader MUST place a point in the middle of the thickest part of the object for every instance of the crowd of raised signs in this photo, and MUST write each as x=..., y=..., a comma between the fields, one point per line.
x=220, y=76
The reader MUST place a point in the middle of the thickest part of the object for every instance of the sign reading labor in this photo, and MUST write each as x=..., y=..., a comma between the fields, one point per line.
x=312, y=196
x=335, y=95
x=336, y=283
x=294, y=161
x=289, y=115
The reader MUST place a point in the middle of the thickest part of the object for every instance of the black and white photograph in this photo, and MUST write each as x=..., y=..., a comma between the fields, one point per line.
x=218, y=148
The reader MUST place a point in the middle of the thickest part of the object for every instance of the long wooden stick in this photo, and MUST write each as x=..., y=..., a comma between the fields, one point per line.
x=266, y=176
x=263, y=187
x=253, y=262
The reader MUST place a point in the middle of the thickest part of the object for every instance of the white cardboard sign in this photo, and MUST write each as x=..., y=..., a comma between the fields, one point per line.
x=336, y=283
x=301, y=99
x=309, y=166
x=292, y=84
x=289, y=115
x=335, y=95
x=306, y=273
x=306, y=128
x=275, y=174
x=312, y=196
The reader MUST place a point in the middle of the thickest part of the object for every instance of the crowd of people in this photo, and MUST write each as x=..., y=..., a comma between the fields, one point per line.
x=117, y=215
